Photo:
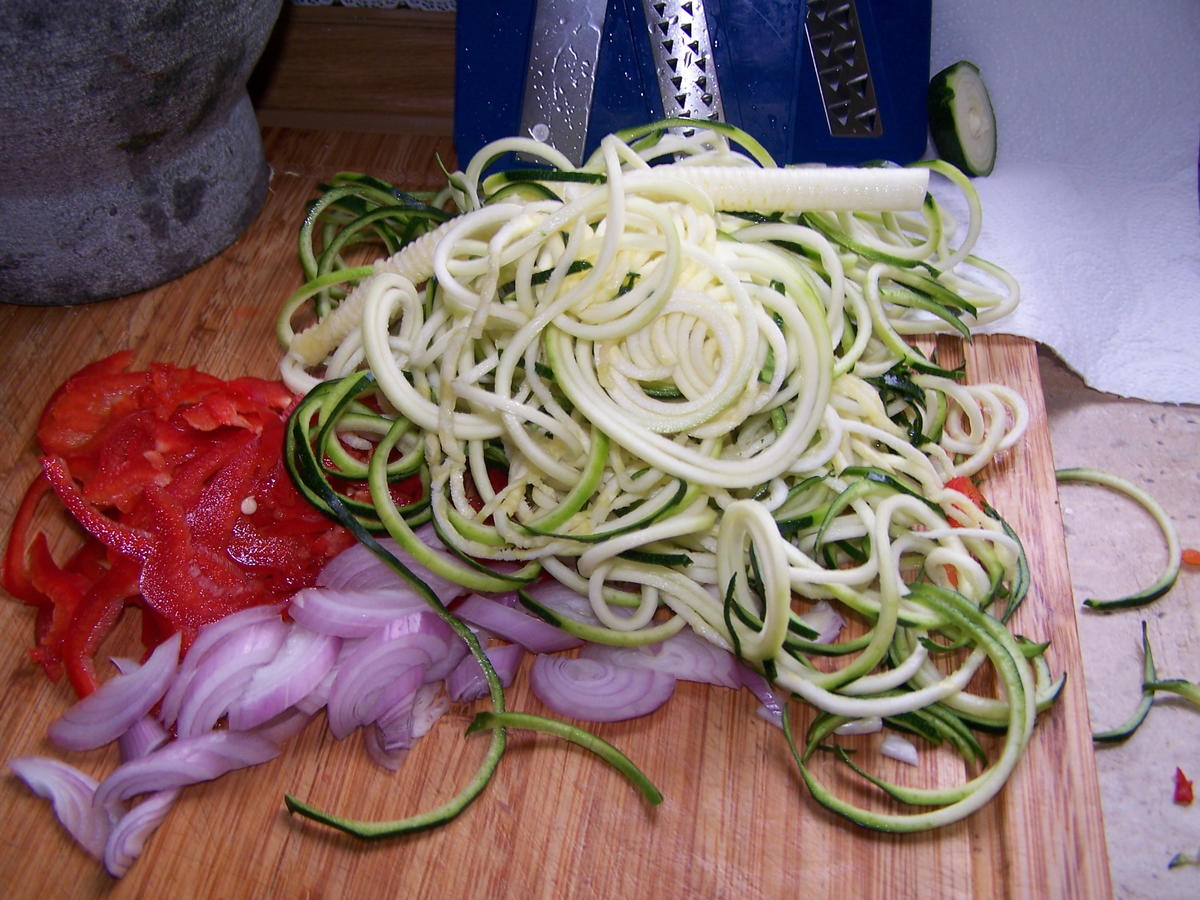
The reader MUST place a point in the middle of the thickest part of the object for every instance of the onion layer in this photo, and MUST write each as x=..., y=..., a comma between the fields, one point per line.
x=70, y=792
x=182, y=762
x=514, y=625
x=685, y=655
x=598, y=692
x=104, y=715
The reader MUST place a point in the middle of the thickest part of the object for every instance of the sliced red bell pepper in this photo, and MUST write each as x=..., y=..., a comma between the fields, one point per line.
x=113, y=534
x=177, y=478
x=968, y=489
x=15, y=573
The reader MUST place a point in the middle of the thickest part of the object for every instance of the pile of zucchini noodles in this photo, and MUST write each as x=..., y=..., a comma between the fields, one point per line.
x=703, y=411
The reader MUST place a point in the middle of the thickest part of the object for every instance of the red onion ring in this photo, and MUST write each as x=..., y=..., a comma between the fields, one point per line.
x=143, y=736
x=598, y=692
x=382, y=668
x=467, y=682
x=563, y=600
x=770, y=703
x=284, y=726
x=104, y=715
x=825, y=620
x=685, y=655
x=397, y=729
x=514, y=625
x=71, y=793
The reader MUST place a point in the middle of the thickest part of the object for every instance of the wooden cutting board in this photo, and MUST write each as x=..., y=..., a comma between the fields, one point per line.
x=736, y=819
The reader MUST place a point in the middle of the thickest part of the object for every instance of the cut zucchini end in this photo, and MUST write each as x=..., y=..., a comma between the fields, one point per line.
x=961, y=119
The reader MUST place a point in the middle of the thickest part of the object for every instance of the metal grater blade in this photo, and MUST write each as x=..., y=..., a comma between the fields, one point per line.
x=683, y=59
x=843, y=71
x=563, y=52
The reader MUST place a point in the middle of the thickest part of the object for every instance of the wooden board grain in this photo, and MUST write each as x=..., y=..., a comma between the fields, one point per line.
x=735, y=821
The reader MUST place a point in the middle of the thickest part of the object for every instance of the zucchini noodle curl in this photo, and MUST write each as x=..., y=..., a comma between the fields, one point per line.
x=691, y=406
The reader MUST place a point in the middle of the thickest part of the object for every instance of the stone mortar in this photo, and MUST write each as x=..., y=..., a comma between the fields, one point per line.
x=129, y=151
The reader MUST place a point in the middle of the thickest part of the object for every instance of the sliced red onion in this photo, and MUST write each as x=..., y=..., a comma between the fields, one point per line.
x=360, y=697
x=352, y=614
x=130, y=832
x=868, y=725
x=71, y=793
x=770, y=703
x=283, y=727
x=209, y=637
x=899, y=748
x=143, y=736
x=514, y=625
x=825, y=620
x=386, y=759
x=381, y=670
x=224, y=674
x=398, y=728
x=429, y=705
x=304, y=658
x=105, y=714
x=562, y=599
x=359, y=569
x=598, y=692
x=467, y=682
x=314, y=701
x=185, y=761
x=685, y=655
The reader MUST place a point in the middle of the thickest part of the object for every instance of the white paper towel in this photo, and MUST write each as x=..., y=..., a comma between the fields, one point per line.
x=1093, y=203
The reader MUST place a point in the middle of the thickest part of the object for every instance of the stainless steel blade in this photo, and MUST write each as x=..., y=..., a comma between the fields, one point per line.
x=843, y=71
x=563, y=52
x=683, y=59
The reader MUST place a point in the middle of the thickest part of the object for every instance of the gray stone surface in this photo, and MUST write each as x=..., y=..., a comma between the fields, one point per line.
x=129, y=152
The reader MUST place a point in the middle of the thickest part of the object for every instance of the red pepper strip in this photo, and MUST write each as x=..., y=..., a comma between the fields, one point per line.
x=1191, y=557
x=67, y=590
x=78, y=417
x=14, y=575
x=967, y=488
x=173, y=575
x=97, y=614
x=124, y=540
x=208, y=458
x=212, y=515
x=1184, y=792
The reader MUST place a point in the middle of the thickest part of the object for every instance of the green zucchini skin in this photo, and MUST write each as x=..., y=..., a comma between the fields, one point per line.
x=962, y=121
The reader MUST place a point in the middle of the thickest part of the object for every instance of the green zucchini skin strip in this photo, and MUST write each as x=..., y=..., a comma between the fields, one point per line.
x=600, y=635
x=305, y=470
x=1149, y=674
x=1188, y=690
x=1170, y=573
x=577, y=503
x=1007, y=658
x=576, y=735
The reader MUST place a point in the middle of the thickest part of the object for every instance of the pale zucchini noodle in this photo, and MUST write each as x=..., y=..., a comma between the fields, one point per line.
x=769, y=439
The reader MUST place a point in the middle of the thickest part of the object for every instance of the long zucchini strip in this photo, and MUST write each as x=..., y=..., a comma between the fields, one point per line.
x=665, y=382
x=1170, y=572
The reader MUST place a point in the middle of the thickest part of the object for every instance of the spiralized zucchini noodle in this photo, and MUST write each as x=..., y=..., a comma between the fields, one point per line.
x=680, y=380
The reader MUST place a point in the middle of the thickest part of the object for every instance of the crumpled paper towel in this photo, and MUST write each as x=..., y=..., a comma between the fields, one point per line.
x=1093, y=202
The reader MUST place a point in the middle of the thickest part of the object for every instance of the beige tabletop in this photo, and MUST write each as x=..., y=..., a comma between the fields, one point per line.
x=1114, y=547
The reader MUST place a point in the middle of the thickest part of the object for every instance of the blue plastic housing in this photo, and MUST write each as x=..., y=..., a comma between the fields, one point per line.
x=765, y=70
